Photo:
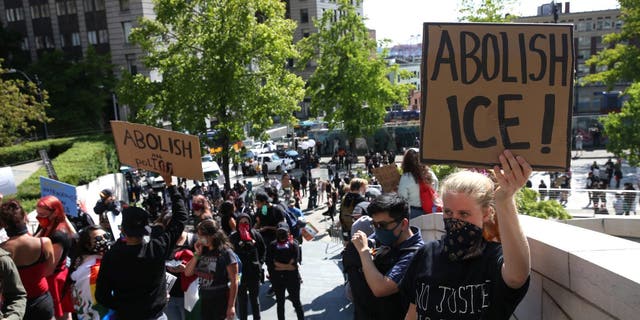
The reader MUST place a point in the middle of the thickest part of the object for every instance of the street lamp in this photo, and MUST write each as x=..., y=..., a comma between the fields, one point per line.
x=38, y=83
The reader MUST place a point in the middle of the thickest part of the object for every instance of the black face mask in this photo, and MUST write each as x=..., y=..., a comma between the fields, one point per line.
x=102, y=244
x=463, y=240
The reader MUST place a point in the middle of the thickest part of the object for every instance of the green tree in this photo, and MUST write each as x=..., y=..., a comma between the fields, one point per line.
x=79, y=91
x=350, y=86
x=225, y=60
x=622, y=65
x=486, y=10
x=23, y=105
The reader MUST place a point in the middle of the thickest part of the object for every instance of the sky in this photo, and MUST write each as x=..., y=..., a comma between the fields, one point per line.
x=401, y=20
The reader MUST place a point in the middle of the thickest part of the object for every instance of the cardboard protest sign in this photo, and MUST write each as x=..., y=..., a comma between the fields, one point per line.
x=158, y=150
x=309, y=232
x=65, y=192
x=388, y=176
x=491, y=87
x=320, y=173
x=7, y=181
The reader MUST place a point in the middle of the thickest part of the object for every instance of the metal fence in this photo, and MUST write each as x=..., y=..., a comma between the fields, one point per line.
x=590, y=202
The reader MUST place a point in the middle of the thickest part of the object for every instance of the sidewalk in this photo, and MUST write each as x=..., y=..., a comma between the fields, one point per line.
x=322, y=290
x=24, y=171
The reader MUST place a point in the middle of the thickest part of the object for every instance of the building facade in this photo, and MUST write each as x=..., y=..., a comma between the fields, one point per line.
x=589, y=29
x=72, y=26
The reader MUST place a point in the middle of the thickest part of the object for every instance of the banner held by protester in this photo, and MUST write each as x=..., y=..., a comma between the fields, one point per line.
x=158, y=150
x=66, y=193
x=491, y=87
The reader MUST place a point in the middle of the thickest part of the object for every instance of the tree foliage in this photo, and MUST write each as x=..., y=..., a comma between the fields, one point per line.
x=223, y=59
x=621, y=57
x=486, y=10
x=622, y=65
x=350, y=84
x=23, y=105
x=79, y=91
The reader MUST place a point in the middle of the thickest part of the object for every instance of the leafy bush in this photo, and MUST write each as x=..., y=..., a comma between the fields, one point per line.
x=527, y=202
x=29, y=151
x=443, y=170
x=89, y=158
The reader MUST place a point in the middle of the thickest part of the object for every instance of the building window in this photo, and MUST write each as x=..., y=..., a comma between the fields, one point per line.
x=126, y=30
x=65, y=7
x=99, y=5
x=131, y=63
x=63, y=42
x=124, y=5
x=39, y=42
x=304, y=15
x=89, y=6
x=39, y=11
x=61, y=8
x=103, y=36
x=75, y=39
x=92, y=37
x=11, y=15
x=607, y=24
x=24, y=45
x=48, y=42
x=71, y=7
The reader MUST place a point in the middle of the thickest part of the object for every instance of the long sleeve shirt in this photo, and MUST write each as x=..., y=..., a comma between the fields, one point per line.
x=132, y=278
x=409, y=189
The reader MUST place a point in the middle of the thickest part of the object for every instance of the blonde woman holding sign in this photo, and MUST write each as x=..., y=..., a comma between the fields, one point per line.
x=464, y=276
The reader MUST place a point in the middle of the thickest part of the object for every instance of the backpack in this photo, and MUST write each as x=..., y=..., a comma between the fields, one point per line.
x=292, y=221
x=367, y=305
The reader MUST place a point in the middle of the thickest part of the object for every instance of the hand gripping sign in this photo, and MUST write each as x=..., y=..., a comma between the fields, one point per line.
x=158, y=150
x=491, y=87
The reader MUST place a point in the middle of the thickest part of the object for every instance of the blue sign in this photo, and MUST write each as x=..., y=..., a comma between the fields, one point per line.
x=63, y=191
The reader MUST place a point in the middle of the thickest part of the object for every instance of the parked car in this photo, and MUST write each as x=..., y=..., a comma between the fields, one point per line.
x=290, y=154
x=275, y=163
x=263, y=147
x=211, y=169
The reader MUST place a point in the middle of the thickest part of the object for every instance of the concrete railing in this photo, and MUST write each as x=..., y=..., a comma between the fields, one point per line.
x=576, y=273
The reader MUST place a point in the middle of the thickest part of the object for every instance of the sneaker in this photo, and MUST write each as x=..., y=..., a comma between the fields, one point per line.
x=270, y=292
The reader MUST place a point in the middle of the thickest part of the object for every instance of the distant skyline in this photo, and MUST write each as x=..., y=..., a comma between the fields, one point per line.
x=401, y=20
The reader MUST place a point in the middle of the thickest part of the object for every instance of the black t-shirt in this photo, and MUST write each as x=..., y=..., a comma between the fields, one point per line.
x=274, y=215
x=471, y=289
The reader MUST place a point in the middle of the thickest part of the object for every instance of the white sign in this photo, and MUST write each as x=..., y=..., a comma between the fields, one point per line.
x=7, y=182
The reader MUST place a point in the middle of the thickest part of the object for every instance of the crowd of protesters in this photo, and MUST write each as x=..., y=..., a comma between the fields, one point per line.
x=161, y=268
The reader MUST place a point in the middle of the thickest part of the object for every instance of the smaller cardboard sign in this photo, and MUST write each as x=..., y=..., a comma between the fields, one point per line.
x=158, y=150
x=7, y=181
x=320, y=173
x=114, y=222
x=65, y=192
x=309, y=232
x=388, y=176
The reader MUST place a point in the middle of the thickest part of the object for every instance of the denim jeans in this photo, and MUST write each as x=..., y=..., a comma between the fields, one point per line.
x=175, y=309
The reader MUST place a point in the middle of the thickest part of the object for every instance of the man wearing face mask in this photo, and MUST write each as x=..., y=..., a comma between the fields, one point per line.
x=267, y=217
x=250, y=248
x=382, y=260
x=201, y=208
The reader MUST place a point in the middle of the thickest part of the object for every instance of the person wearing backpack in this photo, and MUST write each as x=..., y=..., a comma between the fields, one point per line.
x=375, y=266
x=357, y=188
x=251, y=249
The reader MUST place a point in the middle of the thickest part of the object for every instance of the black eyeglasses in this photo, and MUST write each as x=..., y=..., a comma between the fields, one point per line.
x=384, y=224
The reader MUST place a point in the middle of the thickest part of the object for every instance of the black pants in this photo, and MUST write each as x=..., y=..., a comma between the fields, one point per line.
x=214, y=304
x=289, y=281
x=40, y=308
x=252, y=287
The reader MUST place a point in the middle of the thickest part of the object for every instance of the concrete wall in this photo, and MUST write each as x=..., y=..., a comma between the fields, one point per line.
x=576, y=273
